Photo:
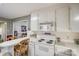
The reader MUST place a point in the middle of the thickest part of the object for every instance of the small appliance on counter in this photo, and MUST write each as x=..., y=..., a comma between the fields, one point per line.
x=58, y=39
x=76, y=41
x=32, y=34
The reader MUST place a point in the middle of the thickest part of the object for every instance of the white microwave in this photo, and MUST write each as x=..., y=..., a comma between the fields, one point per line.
x=46, y=26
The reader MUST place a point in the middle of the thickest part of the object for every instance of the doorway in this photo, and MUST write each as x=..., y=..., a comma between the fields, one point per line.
x=3, y=31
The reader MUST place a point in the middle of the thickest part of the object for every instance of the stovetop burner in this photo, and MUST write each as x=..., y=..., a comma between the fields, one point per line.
x=50, y=42
x=41, y=40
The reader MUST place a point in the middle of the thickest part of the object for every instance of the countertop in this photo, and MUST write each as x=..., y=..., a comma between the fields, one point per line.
x=7, y=47
x=71, y=45
x=67, y=44
x=12, y=42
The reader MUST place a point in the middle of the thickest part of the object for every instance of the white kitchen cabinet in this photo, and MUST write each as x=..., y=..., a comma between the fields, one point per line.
x=74, y=18
x=62, y=19
x=31, y=49
x=46, y=15
x=43, y=15
x=63, y=51
x=34, y=21
x=52, y=51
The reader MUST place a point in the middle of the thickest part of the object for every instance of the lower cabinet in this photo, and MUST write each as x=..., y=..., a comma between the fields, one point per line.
x=63, y=51
x=31, y=49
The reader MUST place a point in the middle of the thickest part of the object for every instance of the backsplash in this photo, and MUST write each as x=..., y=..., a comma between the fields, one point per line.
x=67, y=36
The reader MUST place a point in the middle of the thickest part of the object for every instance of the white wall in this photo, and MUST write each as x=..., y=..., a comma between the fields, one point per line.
x=18, y=22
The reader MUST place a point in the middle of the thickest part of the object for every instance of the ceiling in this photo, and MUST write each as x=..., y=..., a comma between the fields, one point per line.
x=14, y=10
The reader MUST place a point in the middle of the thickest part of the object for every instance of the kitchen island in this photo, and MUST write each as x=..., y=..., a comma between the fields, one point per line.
x=8, y=46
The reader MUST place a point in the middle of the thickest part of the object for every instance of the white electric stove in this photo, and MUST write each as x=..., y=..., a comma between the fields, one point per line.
x=44, y=45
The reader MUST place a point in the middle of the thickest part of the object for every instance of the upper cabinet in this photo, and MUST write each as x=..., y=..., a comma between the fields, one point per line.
x=74, y=18
x=43, y=16
x=47, y=15
x=34, y=21
x=62, y=19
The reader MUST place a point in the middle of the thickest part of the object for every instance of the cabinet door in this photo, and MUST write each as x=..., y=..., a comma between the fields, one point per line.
x=62, y=19
x=34, y=21
x=74, y=17
x=51, y=51
x=31, y=50
x=43, y=15
x=46, y=15
x=51, y=18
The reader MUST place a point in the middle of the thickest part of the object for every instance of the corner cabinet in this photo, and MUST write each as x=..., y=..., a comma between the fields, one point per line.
x=74, y=18
x=31, y=49
x=62, y=19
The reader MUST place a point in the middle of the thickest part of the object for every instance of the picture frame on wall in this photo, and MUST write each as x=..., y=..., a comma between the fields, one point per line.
x=23, y=28
x=15, y=33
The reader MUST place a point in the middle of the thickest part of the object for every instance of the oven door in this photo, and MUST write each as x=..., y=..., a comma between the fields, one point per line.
x=43, y=50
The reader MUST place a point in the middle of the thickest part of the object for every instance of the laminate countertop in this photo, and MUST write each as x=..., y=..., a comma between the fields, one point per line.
x=74, y=47
x=12, y=42
x=7, y=47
